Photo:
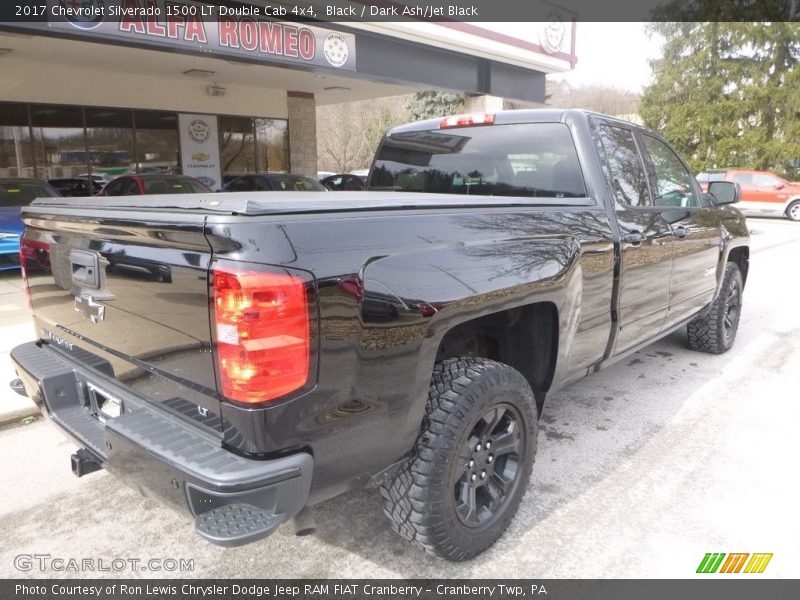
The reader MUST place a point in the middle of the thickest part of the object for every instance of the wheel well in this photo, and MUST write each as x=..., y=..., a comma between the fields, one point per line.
x=741, y=256
x=525, y=338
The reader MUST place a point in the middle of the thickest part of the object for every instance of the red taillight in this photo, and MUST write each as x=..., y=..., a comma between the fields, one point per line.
x=262, y=334
x=466, y=120
x=32, y=255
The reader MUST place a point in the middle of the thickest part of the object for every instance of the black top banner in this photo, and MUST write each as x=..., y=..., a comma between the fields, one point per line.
x=419, y=11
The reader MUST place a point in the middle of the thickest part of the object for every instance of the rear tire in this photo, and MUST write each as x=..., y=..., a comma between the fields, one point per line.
x=716, y=331
x=793, y=211
x=472, y=462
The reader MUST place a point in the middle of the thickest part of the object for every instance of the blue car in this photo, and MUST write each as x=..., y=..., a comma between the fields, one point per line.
x=14, y=194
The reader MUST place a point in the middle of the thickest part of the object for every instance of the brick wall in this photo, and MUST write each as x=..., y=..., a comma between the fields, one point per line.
x=302, y=133
x=482, y=103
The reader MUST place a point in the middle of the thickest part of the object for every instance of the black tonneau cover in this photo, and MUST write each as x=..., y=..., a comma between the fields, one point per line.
x=267, y=203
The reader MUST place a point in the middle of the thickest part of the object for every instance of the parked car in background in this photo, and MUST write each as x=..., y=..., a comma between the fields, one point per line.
x=361, y=173
x=274, y=182
x=101, y=178
x=76, y=186
x=762, y=191
x=149, y=184
x=14, y=194
x=344, y=182
x=323, y=174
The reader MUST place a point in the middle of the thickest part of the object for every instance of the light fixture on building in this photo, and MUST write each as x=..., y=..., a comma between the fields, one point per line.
x=336, y=88
x=5, y=51
x=199, y=73
x=215, y=90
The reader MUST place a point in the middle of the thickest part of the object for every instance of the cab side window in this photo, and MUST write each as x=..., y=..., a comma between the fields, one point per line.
x=113, y=188
x=673, y=182
x=628, y=178
x=765, y=180
x=129, y=187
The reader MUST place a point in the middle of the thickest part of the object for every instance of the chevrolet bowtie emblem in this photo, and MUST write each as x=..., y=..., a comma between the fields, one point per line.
x=90, y=309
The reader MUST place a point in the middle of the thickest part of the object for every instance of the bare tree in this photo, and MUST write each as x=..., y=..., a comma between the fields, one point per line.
x=349, y=133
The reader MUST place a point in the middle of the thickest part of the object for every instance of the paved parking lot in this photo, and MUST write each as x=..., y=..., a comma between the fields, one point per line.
x=641, y=470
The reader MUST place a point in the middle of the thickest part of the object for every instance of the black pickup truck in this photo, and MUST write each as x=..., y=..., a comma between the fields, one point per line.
x=247, y=356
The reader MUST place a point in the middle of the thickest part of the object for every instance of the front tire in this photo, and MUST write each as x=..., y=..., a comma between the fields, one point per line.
x=716, y=331
x=793, y=211
x=472, y=462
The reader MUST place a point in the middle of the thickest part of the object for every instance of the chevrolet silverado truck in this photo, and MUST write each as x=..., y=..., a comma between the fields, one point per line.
x=244, y=356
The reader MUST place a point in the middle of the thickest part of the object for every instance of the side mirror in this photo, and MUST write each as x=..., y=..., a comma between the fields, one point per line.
x=779, y=186
x=724, y=192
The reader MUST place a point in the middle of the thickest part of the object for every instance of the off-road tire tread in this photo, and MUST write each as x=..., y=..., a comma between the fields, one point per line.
x=706, y=333
x=407, y=498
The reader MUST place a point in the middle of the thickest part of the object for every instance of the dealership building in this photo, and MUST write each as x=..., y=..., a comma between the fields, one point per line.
x=206, y=95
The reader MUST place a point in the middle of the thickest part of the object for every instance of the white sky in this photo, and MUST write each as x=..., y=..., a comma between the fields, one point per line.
x=613, y=54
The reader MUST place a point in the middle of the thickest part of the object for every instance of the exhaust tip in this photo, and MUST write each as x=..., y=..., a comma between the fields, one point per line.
x=304, y=523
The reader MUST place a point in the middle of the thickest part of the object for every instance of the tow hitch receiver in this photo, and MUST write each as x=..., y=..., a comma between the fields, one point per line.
x=83, y=463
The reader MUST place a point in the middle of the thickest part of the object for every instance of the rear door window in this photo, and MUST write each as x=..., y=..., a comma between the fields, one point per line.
x=626, y=171
x=525, y=160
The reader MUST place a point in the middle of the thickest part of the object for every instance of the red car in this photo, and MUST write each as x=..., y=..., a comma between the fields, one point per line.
x=762, y=191
x=148, y=184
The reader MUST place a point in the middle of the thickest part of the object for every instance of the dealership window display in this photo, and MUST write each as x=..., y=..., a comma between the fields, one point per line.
x=16, y=158
x=51, y=141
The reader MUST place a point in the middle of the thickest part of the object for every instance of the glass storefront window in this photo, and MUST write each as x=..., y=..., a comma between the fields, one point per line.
x=59, y=144
x=16, y=158
x=109, y=139
x=156, y=142
x=272, y=144
x=236, y=145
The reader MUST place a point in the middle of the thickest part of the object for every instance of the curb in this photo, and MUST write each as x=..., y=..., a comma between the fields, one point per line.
x=16, y=415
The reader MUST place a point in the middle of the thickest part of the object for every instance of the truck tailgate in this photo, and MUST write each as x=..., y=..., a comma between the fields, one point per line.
x=125, y=291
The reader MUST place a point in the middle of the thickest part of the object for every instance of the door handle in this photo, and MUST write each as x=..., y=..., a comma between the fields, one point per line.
x=681, y=231
x=634, y=238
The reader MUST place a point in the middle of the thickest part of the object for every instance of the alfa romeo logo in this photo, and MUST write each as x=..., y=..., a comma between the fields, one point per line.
x=86, y=14
x=199, y=131
x=335, y=49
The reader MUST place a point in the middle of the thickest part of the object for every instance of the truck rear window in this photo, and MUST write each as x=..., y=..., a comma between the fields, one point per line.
x=530, y=160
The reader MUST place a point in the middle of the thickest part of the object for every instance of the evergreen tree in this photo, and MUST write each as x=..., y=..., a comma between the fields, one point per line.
x=430, y=104
x=726, y=94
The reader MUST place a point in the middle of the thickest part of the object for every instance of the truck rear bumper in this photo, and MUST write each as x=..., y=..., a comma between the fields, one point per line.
x=234, y=500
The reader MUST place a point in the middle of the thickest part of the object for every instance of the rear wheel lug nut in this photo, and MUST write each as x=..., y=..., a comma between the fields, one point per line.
x=483, y=474
x=488, y=445
x=478, y=448
x=489, y=459
x=473, y=477
x=471, y=463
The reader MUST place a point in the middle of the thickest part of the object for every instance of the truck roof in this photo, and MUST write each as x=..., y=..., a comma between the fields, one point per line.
x=509, y=117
